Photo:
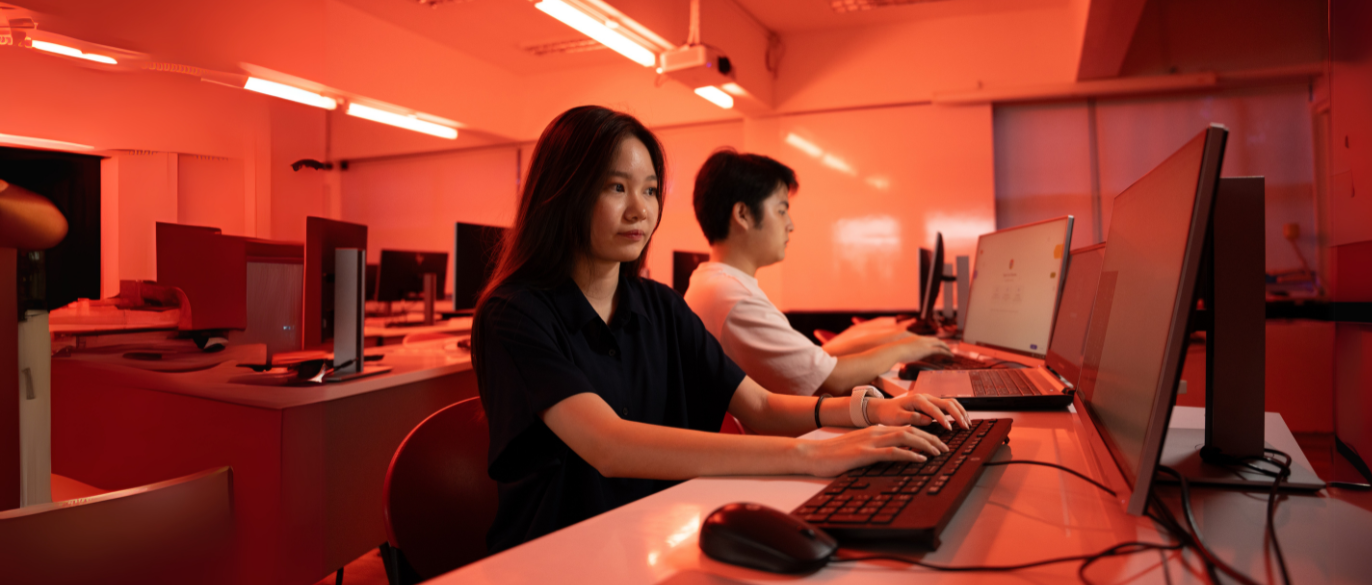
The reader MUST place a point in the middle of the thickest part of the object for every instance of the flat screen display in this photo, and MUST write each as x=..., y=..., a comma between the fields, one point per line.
x=1143, y=302
x=1015, y=283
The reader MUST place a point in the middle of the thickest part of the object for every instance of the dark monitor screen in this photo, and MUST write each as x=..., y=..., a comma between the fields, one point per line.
x=930, y=278
x=1144, y=299
x=401, y=275
x=322, y=238
x=475, y=252
x=683, y=265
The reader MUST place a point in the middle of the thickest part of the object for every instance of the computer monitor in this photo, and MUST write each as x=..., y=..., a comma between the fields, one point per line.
x=931, y=279
x=1067, y=347
x=475, y=251
x=322, y=238
x=1144, y=299
x=401, y=275
x=1016, y=279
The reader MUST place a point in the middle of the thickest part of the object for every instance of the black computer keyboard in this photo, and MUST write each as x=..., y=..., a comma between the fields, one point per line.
x=1001, y=383
x=909, y=502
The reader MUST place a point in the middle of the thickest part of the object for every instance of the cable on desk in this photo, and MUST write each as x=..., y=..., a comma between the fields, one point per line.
x=1198, y=541
x=1124, y=548
x=1053, y=465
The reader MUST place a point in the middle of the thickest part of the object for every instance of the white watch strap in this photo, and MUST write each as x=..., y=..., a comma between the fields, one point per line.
x=857, y=404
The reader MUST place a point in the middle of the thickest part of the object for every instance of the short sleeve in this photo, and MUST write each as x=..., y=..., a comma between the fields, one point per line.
x=711, y=376
x=780, y=358
x=523, y=369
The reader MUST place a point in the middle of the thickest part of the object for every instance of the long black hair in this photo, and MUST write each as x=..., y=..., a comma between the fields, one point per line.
x=553, y=226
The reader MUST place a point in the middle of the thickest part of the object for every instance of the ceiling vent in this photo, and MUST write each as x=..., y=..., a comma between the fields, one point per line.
x=842, y=6
x=560, y=47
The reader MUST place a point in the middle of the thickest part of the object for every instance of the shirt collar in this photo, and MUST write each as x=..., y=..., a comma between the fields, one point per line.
x=576, y=311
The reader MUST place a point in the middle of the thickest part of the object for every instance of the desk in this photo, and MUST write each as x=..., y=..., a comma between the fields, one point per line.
x=1015, y=514
x=309, y=462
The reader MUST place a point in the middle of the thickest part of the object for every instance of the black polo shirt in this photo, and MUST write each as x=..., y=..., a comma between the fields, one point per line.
x=653, y=363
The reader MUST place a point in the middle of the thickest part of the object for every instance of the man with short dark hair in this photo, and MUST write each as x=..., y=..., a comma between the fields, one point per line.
x=742, y=202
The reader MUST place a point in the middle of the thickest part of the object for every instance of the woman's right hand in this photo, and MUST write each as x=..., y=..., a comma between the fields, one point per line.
x=832, y=457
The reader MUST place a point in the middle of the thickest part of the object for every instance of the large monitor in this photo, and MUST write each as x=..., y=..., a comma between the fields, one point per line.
x=475, y=252
x=322, y=238
x=930, y=280
x=1016, y=279
x=1144, y=299
x=401, y=275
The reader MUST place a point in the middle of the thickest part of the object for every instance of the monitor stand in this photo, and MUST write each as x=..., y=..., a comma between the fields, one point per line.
x=1232, y=290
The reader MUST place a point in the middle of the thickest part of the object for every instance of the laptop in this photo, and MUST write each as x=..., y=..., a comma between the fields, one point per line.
x=1015, y=284
x=1049, y=386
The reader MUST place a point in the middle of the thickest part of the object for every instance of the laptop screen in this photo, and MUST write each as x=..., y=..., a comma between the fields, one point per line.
x=1015, y=285
x=1068, y=345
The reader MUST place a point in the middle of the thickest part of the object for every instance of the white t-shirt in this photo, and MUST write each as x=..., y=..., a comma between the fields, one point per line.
x=754, y=333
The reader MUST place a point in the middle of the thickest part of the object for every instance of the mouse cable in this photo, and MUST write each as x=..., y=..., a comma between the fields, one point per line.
x=1121, y=549
x=1054, y=465
x=1195, y=535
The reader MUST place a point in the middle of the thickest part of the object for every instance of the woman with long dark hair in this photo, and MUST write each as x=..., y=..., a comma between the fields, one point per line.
x=602, y=387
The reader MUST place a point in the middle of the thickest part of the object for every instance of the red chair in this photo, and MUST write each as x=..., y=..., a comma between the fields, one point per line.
x=439, y=499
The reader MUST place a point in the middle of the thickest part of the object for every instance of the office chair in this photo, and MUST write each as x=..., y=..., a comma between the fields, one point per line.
x=175, y=531
x=439, y=501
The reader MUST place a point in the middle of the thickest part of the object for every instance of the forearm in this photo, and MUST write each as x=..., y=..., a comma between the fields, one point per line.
x=861, y=368
x=639, y=450
x=782, y=414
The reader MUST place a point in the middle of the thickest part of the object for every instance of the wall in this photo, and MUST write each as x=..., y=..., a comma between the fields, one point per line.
x=1044, y=157
x=412, y=203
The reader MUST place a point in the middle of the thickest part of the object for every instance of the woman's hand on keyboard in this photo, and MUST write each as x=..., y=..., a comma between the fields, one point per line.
x=918, y=410
x=831, y=457
x=918, y=347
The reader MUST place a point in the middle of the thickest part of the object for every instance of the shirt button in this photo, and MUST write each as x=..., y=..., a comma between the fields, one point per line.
x=613, y=353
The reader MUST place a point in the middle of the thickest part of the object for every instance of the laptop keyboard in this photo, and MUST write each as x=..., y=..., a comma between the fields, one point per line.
x=912, y=499
x=1001, y=383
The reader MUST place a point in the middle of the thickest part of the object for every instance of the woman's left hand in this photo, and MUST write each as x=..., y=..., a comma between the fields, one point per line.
x=918, y=410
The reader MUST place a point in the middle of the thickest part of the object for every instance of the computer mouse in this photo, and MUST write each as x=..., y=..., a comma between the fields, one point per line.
x=910, y=371
x=763, y=538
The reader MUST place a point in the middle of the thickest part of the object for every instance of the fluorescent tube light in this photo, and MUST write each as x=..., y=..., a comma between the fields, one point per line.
x=71, y=52
x=399, y=121
x=837, y=164
x=287, y=92
x=804, y=145
x=605, y=31
x=716, y=96
x=42, y=143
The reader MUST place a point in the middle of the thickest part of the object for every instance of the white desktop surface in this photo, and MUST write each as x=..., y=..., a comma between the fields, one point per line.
x=1015, y=514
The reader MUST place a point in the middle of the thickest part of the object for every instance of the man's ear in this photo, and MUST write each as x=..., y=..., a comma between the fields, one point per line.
x=742, y=216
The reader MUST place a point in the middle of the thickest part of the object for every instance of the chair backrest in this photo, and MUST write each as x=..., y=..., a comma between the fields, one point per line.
x=439, y=499
x=175, y=531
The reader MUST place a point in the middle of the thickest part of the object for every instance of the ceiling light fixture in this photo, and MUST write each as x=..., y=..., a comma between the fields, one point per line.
x=716, y=96
x=42, y=143
x=603, y=23
x=71, y=52
x=401, y=121
x=287, y=92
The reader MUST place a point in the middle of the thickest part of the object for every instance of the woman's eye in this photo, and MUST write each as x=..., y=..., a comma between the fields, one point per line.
x=618, y=188
x=651, y=191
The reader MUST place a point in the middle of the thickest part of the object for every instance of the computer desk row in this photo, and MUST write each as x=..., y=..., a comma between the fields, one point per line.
x=309, y=460
x=1015, y=514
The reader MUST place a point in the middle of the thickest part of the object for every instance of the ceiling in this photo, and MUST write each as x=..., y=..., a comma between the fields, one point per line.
x=498, y=31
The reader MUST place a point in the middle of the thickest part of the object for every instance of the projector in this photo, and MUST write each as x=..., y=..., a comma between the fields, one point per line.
x=697, y=66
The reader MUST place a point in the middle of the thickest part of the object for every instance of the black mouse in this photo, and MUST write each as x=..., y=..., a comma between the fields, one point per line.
x=759, y=537
x=911, y=370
